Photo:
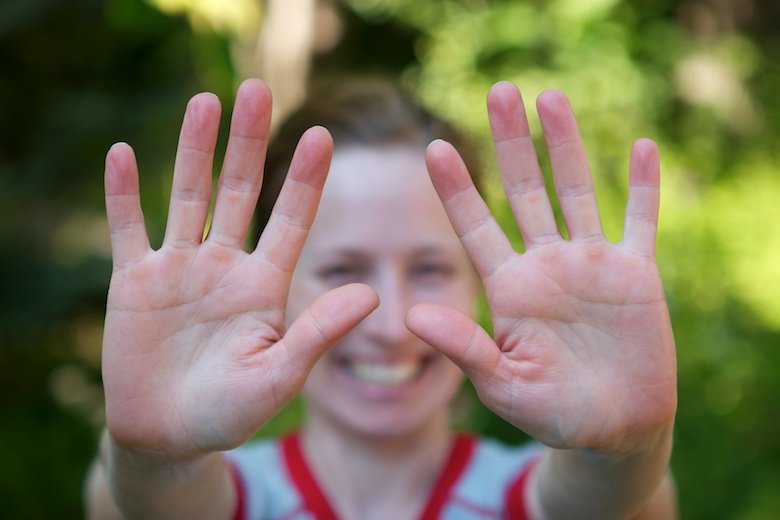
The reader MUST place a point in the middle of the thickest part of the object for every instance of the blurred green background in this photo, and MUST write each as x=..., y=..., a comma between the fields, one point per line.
x=702, y=77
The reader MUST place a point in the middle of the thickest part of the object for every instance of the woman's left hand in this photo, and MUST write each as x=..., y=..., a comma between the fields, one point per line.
x=583, y=354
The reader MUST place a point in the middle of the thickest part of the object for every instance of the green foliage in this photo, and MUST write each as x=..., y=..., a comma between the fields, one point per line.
x=630, y=72
x=699, y=77
x=76, y=76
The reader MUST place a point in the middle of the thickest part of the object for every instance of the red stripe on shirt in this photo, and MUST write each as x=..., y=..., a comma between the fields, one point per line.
x=515, y=497
x=317, y=503
x=240, y=487
x=314, y=500
x=462, y=449
x=476, y=509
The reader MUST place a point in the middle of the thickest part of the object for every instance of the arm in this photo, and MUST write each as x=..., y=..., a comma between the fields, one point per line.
x=663, y=504
x=142, y=485
x=613, y=484
x=583, y=356
x=196, y=354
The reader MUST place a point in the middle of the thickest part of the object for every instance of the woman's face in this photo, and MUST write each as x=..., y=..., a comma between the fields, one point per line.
x=381, y=223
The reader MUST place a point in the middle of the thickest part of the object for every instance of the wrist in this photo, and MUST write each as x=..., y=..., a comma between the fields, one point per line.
x=154, y=485
x=652, y=444
x=122, y=458
x=614, y=483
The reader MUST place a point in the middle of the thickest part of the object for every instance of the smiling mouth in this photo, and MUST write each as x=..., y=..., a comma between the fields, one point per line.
x=385, y=373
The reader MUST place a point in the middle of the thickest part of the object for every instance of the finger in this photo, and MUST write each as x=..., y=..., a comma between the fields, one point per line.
x=479, y=232
x=129, y=242
x=289, y=223
x=192, y=172
x=242, y=171
x=643, y=198
x=520, y=172
x=571, y=174
x=456, y=336
x=329, y=318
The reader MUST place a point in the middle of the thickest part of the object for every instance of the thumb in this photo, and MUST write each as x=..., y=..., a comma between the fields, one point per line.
x=458, y=337
x=324, y=322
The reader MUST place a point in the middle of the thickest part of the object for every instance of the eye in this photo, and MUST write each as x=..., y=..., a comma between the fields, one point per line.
x=431, y=272
x=340, y=273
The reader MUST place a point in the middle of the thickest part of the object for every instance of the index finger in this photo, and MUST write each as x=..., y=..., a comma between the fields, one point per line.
x=284, y=235
x=484, y=240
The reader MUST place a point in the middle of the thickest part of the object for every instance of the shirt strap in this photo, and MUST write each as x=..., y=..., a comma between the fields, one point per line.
x=460, y=455
x=240, y=488
x=314, y=500
x=516, y=508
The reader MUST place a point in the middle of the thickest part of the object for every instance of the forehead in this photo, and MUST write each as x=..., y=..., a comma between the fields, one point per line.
x=382, y=197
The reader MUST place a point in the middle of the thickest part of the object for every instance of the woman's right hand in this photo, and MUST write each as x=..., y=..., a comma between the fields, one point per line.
x=196, y=356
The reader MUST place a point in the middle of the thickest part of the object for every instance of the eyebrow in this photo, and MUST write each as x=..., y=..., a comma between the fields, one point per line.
x=357, y=254
x=431, y=250
x=348, y=252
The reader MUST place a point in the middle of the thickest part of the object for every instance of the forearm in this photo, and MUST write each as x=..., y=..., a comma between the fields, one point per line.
x=124, y=484
x=589, y=484
x=663, y=504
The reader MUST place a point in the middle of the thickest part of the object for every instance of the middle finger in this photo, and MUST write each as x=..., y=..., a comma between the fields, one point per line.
x=242, y=171
x=571, y=173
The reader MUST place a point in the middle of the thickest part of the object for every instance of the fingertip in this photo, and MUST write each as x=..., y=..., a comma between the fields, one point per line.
x=557, y=117
x=312, y=156
x=553, y=106
x=254, y=97
x=119, y=145
x=254, y=85
x=446, y=168
x=341, y=309
x=423, y=320
x=504, y=85
x=506, y=112
x=421, y=315
x=116, y=152
x=454, y=334
x=503, y=94
x=361, y=292
x=645, y=147
x=204, y=101
x=438, y=149
x=120, y=169
x=645, y=163
x=320, y=135
x=412, y=317
x=551, y=98
x=203, y=112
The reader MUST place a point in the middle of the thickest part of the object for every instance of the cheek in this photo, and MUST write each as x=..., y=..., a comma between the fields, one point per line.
x=460, y=293
x=470, y=291
x=303, y=292
x=448, y=381
x=451, y=373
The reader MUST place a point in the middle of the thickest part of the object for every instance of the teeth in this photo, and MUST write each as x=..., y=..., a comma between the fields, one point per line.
x=385, y=374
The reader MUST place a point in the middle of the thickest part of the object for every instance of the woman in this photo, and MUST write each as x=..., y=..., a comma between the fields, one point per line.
x=204, y=342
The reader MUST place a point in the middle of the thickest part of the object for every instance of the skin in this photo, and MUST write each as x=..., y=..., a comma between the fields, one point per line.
x=199, y=353
x=380, y=222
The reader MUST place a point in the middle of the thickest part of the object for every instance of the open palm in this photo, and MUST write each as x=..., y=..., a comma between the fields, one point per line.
x=196, y=356
x=582, y=354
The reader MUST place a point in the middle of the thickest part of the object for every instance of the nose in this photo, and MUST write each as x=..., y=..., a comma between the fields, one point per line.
x=387, y=324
